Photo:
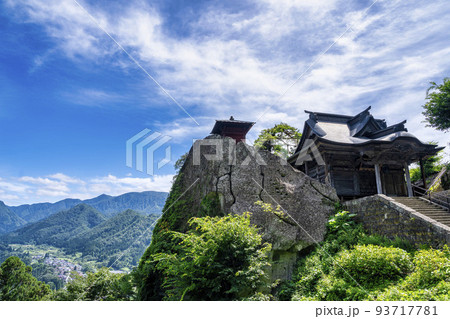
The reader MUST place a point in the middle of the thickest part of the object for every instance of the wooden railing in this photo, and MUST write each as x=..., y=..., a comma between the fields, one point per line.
x=440, y=199
x=437, y=178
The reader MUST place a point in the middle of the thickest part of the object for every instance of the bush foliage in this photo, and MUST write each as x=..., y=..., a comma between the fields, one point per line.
x=18, y=284
x=100, y=286
x=224, y=258
x=220, y=258
x=372, y=266
x=352, y=265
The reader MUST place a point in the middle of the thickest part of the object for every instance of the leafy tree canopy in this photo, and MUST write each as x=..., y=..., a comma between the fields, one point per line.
x=180, y=162
x=18, y=284
x=431, y=166
x=220, y=258
x=282, y=139
x=102, y=285
x=437, y=109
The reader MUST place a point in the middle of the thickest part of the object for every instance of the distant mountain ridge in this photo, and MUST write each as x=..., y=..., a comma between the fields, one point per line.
x=57, y=228
x=149, y=202
x=35, y=212
x=117, y=241
x=145, y=202
x=8, y=220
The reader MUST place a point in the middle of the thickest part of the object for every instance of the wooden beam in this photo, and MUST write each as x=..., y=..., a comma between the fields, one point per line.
x=408, y=181
x=378, y=179
x=327, y=180
x=422, y=170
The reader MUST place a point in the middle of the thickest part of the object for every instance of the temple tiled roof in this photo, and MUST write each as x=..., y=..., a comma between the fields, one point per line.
x=356, y=130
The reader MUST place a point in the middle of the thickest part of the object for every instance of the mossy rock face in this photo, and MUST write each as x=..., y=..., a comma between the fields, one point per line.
x=212, y=205
x=233, y=183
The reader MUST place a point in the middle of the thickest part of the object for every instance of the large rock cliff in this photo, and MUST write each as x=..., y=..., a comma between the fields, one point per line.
x=221, y=177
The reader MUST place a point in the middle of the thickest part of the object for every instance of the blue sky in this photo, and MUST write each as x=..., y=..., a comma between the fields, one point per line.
x=70, y=97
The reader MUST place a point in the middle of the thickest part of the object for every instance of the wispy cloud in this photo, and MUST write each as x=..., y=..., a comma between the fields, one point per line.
x=239, y=63
x=94, y=97
x=28, y=189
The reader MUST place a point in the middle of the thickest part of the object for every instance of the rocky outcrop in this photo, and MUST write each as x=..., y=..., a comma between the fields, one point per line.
x=220, y=176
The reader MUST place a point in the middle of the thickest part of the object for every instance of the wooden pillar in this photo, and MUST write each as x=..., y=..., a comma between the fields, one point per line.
x=306, y=168
x=378, y=179
x=408, y=181
x=422, y=170
x=326, y=173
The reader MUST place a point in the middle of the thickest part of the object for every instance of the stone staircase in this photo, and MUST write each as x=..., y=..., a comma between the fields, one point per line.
x=426, y=208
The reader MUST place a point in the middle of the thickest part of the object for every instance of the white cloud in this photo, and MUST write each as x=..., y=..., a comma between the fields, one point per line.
x=252, y=57
x=45, y=183
x=67, y=179
x=28, y=189
x=93, y=97
x=115, y=185
x=238, y=63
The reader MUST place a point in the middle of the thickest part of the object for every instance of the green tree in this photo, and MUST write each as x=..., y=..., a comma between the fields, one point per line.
x=220, y=258
x=180, y=162
x=437, y=109
x=18, y=284
x=102, y=285
x=281, y=139
x=431, y=166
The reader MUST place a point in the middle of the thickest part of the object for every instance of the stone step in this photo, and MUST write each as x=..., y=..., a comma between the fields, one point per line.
x=417, y=201
x=445, y=223
x=417, y=205
x=441, y=212
x=421, y=205
x=425, y=208
x=433, y=212
x=430, y=210
x=438, y=213
x=441, y=220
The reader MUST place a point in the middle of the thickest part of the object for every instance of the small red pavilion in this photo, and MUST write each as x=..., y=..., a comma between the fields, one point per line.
x=232, y=128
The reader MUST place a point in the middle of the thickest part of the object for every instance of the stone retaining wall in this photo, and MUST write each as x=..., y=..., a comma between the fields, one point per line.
x=381, y=215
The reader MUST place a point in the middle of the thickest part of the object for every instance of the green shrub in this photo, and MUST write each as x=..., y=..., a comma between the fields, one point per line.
x=430, y=279
x=331, y=288
x=373, y=266
x=341, y=222
x=101, y=286
x=440, y=292
x=343, y=233
x=310, y=272
x=431, y=267
x=383, y=241
x=219, y=258
x=352, y=265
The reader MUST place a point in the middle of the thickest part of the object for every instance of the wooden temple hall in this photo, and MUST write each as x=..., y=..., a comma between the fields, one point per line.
x=359, y=155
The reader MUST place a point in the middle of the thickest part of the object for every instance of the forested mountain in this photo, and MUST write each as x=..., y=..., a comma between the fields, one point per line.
x=8, y=220
x=35, y=212
x=144, y=202
x=128, y=231
x=83, y=229
x=57, y=228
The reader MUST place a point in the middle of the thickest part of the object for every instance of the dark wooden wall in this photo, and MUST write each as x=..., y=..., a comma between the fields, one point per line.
x=351, y=180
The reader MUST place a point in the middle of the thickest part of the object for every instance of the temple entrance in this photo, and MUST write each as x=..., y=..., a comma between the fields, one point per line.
x=394, y=183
